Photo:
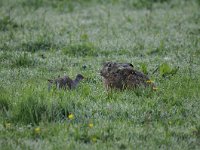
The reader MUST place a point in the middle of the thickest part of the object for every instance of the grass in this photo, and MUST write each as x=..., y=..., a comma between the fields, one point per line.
x=43, y=39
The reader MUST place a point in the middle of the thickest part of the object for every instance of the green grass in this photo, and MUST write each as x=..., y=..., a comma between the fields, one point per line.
x=42, y=39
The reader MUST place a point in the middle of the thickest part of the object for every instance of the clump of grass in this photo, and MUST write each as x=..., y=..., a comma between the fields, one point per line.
x=4, y=100
x=144, y=68
x=37, y=106
x=145, y=3
x=166, y=70
x=82, y=49
x=86, y=134
x=67, y=6
x=31, y=108
x=118, y=52
x=23, y=61
x=61, y=5
x=198, y=1
x=5, y=56
x=37, y=46
x=83, y=136
x=40, y=42
x=57, y=111
x=144, y=92
x=7, y=23
x=32, y=3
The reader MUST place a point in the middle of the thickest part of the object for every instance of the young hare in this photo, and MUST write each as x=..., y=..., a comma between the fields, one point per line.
x=65, y=82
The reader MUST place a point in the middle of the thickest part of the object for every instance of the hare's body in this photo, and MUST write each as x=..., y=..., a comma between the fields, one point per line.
x=122, y=75
x=65, y=82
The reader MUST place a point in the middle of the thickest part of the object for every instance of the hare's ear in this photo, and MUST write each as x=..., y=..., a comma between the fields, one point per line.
x=106, y=63
x=130, y=64
x=125, y=65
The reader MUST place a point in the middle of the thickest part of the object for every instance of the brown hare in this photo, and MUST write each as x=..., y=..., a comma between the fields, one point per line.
x=65, y=82
x=122, y=75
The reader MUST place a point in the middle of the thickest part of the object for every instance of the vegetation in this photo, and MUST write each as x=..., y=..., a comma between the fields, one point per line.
x=42, y=39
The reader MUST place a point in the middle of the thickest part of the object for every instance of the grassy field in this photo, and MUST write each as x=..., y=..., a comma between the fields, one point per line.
x=42, y=39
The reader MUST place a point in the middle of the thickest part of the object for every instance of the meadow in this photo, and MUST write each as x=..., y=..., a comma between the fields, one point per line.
x=44, y=39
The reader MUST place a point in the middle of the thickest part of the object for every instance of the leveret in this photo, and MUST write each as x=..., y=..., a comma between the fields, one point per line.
x=122, y=76
x=65, y=82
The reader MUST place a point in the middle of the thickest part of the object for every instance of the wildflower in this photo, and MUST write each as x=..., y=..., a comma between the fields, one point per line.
x=94, y=139
x=71, y=116
x=37, y=130
x=155, y=88
x=91, y=125
x=149, y=81
x=7, y=125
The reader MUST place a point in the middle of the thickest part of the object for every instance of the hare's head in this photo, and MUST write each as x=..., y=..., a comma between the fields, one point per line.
x=110, y=68
x=79, y=77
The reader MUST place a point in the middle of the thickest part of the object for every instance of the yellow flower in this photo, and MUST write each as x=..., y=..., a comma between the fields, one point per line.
x=91, y=125
x=37, y=130
x=71, y=116
x=155, y=88
x=149, y=81
x=8, y=125
x=94, y=139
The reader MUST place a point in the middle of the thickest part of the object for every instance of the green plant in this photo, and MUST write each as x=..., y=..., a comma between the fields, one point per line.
x=166, y=70
x=4, y=100
x=6, y=23
x=82, y=49
x=31, y=109
x=144, y=68
x=23, y=61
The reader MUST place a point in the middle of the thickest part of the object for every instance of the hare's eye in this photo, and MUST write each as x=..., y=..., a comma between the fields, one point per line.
x=130, y=65
x=109, y=65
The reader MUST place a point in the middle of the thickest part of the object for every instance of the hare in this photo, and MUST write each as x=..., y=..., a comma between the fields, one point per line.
x=122, y=75
x=65, y=82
